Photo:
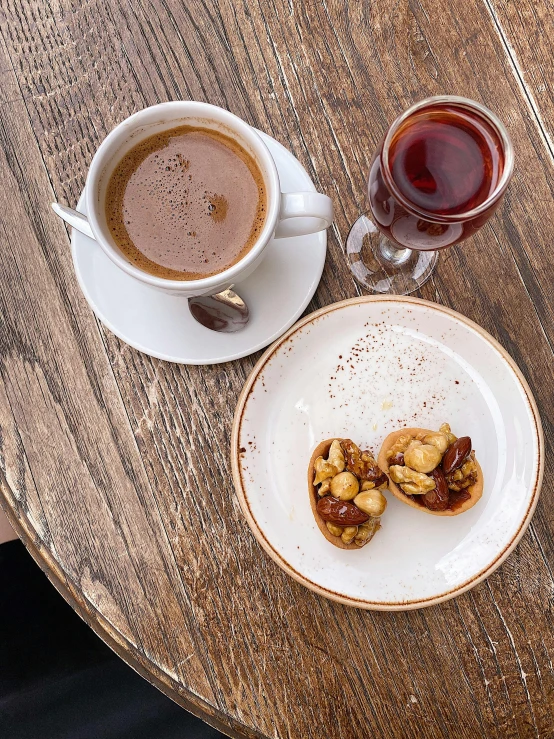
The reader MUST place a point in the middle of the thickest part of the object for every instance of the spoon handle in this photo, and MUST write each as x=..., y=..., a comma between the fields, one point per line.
x=75, y=219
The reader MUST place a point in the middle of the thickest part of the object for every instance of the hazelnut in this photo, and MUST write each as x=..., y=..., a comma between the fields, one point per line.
x=437, y=439
x=372, y=502
x=422, y=457
x=344, y=486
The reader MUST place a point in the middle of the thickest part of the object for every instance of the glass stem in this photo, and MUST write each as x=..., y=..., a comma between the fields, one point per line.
x=392, y=254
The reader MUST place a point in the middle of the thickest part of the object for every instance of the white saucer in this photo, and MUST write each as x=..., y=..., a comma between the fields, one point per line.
x=361, y=369
x=161, y=325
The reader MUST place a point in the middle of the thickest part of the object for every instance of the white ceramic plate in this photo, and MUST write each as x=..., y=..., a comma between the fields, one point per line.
x=161, y=325
x=361, y=369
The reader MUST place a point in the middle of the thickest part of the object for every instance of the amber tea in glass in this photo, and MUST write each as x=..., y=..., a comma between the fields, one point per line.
x=437, y=177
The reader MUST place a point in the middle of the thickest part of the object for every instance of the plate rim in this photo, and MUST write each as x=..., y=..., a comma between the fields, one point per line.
x=281, y=561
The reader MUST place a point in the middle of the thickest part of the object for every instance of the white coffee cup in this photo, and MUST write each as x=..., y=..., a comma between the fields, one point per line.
x=288, y=214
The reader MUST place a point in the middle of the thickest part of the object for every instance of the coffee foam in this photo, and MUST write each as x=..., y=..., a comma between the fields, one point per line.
x=186, y=203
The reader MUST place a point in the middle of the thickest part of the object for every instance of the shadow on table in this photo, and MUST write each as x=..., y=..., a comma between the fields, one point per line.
x=58, y=680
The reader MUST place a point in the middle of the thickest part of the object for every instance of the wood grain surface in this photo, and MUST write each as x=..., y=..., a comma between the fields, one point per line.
x=115, y=466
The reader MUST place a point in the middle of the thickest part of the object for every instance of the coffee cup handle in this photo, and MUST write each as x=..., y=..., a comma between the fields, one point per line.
x=303, y=213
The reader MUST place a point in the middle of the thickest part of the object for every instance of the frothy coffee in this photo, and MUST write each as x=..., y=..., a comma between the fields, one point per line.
x=186, y=203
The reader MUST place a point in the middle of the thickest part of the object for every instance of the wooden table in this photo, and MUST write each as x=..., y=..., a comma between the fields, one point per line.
x=115, y=467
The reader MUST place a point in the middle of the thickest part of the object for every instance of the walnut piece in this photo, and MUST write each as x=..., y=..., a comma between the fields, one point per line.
x=325, y=468
x=411, y=481
x=464, y=477
x=325, y=487
x=336, y=456
x=333, y=528
x=366, y=532
x=362, y=464
x=348, y=534
x=399, y=446
x=447, y=431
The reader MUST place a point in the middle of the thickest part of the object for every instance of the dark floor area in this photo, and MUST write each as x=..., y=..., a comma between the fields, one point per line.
x=58, y=680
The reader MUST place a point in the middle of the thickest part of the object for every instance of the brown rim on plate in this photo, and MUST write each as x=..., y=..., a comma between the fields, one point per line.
x=476, y=490
x=238, y=473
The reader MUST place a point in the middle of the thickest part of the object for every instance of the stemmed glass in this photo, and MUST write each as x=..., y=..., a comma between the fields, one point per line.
x=437, y=177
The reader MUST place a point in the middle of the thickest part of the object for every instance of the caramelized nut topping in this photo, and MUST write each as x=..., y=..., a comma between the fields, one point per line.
x=434, y=469
x=416, y=482
x=359, y=463
x=323, y=470
x=349, y=484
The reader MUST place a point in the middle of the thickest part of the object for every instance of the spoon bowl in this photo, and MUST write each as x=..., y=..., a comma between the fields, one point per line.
x=226, y=311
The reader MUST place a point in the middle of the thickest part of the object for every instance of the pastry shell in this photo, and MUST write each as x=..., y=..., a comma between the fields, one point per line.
x=475, y=490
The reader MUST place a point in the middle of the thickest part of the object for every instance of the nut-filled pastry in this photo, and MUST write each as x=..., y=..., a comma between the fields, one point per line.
x=346, y=493
x=432, y=470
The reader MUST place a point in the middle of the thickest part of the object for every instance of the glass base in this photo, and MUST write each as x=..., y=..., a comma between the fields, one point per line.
x=381, y=266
